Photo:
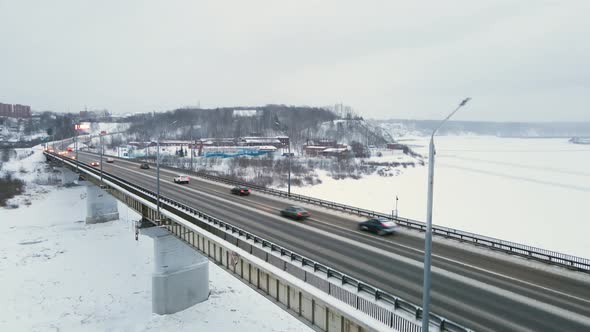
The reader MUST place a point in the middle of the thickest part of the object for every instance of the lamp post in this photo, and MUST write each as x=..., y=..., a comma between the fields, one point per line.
x=428, y=234
x=158, y=176
x=77, y=127
x=192, y=147
x=101, y=153
x=289, y=178
x=158, y=169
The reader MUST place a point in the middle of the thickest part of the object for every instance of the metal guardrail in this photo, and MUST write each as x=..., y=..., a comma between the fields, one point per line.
x=539, y=254
x=376, y=293
x=509, y=247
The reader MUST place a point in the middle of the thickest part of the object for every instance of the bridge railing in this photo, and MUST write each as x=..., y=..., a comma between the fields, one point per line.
x=531, y=252
x=335, y=283
x=523, y=250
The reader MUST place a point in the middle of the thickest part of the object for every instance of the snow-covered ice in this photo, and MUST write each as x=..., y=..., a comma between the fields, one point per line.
x=58, y=274
x=525, y=190
x=530, y=191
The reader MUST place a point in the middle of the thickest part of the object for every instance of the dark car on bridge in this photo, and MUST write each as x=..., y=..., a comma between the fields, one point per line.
x=380, y=226
x=95, y=164
x=144, y=166
x=241, y=190
x=295, y=212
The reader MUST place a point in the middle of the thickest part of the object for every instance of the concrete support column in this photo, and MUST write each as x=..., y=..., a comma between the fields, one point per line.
x=67, y=177
x=181, y=274
x=100, y=205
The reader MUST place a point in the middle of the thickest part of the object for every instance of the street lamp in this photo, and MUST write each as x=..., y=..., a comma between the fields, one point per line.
x=428, y=234
x=192, y=147
x=289, y=178
x=102, y=133
x=77, y=127
x=158, y=168
x=289, y=162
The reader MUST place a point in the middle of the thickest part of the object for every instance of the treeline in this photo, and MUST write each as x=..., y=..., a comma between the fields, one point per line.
x=56, y=125
x=59, y=125
x=269, y=120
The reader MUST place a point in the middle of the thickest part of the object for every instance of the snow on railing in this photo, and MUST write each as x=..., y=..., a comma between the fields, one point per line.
x=308, y=269
x=523, y=250
x=539, y=254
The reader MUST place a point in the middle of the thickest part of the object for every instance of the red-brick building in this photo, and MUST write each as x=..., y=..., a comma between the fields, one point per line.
x=5, y=110
x=21, y=111
x=15, y=111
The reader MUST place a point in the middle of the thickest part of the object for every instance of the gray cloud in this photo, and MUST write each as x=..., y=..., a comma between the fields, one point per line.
x=525, y=60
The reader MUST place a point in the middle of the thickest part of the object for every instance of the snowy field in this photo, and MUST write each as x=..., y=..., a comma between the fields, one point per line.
x=58, y=274
x=530, y=191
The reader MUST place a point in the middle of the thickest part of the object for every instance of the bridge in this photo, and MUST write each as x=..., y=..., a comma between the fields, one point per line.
x=371, y=283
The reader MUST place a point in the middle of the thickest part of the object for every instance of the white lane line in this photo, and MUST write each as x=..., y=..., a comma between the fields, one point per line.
x=280, y=200
x=559, y=271
x=459, y=263
x=476, y=268
x=364, y=246
x=474, y=283
x=478, y=326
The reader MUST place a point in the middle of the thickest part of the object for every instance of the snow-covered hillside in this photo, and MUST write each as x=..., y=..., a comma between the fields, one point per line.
x=354, y=130
x=25, y=168
x=109, y=127
x=15, y=130
x=59, y=274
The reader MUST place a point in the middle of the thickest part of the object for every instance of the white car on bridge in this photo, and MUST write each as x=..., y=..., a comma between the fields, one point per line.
x=180, y=178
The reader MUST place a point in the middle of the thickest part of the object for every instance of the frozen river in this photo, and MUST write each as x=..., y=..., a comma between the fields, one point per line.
x=531, y=191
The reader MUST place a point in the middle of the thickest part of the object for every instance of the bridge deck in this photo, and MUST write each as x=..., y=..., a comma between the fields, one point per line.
x=483, y=292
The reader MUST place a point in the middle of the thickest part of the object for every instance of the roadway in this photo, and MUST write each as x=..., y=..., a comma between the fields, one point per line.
x=483, y=292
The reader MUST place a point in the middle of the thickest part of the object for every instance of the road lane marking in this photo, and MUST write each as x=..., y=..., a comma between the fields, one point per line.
x=474, y=283
x=323, y=209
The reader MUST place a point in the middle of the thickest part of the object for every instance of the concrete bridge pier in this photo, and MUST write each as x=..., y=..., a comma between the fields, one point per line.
x=100, y=205
x=181, y=274
x=67, y=176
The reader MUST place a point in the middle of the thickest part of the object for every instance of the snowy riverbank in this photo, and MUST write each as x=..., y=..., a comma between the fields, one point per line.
x=59, y=274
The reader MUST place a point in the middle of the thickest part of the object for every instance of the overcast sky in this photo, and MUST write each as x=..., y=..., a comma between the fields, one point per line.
x=519, y=60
